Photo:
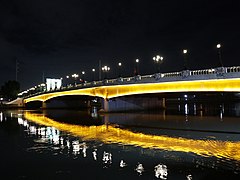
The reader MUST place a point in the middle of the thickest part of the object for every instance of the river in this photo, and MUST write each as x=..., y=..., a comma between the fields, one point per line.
x=188, y=141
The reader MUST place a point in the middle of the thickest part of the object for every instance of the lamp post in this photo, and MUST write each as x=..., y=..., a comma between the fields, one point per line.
x=83, y=76
x=158, y=60
x=93, y=74
x=67, y=82
x=75, y=76
x=105, y=69
x=219, y=55
x=119, y=69
x=185, y=51
x=137, y=67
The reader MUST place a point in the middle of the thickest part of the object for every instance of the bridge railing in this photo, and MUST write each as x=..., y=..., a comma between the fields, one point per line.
x=219, y=72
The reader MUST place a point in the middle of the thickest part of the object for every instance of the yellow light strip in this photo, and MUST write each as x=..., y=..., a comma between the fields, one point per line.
x=109, y=134
x=216, y=85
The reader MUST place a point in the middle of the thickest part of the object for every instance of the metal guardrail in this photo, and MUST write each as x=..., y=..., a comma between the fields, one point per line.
x=203, y=74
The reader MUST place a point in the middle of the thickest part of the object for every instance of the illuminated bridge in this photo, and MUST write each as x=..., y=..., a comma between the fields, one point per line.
x=221, y=79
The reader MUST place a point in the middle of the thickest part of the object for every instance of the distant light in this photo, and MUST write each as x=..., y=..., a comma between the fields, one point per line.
x=105, y=68
x=75, y=75
x=119, y=64
x=185, y=51
x=137, y=60
x=83, y=72
x=157, y=58
x=218, y=46
x=93, y=70
x=67, y=77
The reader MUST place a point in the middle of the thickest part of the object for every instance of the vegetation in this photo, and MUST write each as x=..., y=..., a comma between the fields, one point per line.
x=10, y=89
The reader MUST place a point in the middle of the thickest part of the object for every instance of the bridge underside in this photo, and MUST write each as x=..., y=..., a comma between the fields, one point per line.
x=66, y=102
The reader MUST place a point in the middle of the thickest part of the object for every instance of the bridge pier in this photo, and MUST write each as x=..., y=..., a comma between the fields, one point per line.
x=44, y=105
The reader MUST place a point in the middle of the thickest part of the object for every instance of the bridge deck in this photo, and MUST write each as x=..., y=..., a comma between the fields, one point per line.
x=215, y=80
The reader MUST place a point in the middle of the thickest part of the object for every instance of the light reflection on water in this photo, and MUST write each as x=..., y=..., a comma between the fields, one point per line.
x=86, y=141
x=110, y=134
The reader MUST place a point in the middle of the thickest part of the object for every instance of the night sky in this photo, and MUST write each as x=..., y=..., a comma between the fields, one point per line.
x=62, y=37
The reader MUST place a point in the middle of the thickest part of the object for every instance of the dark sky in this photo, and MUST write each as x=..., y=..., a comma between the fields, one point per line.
x=62, y=37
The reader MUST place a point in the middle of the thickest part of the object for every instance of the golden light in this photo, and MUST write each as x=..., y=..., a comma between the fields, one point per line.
x=111, y=91
x=109, y=134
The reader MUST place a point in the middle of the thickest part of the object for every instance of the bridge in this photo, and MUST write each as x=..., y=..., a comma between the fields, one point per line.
x=220, y=79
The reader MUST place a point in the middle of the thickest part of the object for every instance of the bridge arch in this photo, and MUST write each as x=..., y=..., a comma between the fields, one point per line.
x=111, y=91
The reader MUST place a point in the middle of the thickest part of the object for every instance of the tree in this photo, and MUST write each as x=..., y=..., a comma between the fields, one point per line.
x=10, y=89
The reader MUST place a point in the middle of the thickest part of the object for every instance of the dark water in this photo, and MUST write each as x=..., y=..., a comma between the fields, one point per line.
x=185, y=142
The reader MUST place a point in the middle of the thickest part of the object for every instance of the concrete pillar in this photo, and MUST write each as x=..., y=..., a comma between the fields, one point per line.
x=44, y=105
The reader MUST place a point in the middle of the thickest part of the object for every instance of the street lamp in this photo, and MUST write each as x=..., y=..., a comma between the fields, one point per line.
x=93, y=74
x=83, y=79
x=185, y=51
x=75, y=76
x=105, y=69
x=219, y=55
x=119, y=69
x=137, y=68
x=158, y=60
x=66, y=81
